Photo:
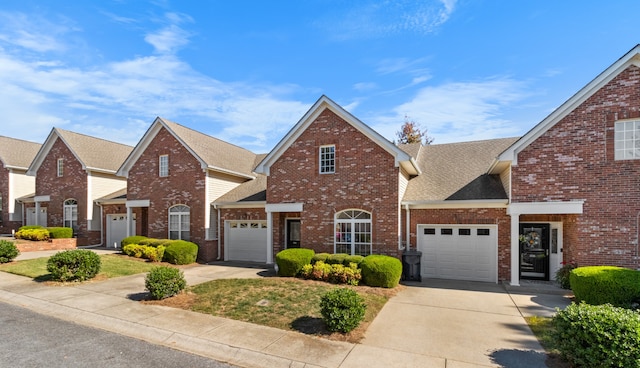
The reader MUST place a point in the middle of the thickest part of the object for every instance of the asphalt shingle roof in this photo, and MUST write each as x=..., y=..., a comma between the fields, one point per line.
x=96, y=153
x=457, y=171
x=250, y=191
x=17, y=153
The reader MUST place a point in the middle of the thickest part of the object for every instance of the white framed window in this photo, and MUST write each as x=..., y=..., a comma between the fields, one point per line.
x=163, y=165
x=327, y=159
x=179, y=222
x=627, y=140
x=60, y=169
x=353, y=232
x=70, y=214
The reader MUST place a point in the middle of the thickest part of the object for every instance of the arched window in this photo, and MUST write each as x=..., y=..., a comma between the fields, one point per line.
x=353, y=232
x=179, y=222
x=70, y=214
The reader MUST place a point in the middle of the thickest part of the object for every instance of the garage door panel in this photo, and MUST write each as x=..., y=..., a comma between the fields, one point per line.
x=246, y=241
x=459, y=252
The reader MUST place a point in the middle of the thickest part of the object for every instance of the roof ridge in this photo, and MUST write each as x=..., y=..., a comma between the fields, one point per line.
x=204, y=134
x=58, y=130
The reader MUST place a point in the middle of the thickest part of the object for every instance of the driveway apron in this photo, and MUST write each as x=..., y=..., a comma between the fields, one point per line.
x=463, y=323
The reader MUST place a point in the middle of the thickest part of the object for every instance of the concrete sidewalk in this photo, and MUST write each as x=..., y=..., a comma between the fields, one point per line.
x=437, y=323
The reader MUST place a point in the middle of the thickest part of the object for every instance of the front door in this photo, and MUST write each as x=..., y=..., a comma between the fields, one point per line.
x=534, y=251
x=293, y=233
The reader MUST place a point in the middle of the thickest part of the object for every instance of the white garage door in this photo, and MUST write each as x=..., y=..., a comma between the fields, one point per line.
x=246, y=241
x=117, y=229
x=462, y=252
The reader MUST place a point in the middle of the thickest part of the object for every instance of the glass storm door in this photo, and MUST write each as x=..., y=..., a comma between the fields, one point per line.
x=293, y=233
x=534, y=251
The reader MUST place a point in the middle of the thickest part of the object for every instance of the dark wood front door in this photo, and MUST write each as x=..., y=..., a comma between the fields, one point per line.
x=534, y=251
x=293, y=233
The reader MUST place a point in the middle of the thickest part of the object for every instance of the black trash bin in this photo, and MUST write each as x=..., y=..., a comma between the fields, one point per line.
x=411, y=265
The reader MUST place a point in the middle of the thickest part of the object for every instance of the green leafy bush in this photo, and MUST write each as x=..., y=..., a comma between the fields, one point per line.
x=564, y=273
x=598, y=336
x=74, y=265
x=154, y=254
x=606, y=284
x=133, y=250
x=290, y=261
x=60, y=232
x=320, y=257
x=163, y=282
x=30, y=227
x=8, y=251
x=342, y=310
x=135, y=239
x=34, y=234
x=337, y=258
x=353, y=259
x=180, y=252
x=381, y=271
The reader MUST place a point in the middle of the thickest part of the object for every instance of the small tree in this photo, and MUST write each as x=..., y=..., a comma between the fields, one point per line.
x=410, y=132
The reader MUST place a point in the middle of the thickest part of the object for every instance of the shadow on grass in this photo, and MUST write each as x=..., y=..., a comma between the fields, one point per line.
x=310, y=325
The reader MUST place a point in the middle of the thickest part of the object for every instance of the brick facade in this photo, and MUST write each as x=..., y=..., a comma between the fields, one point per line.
x=574, y=160
x=5, y=225
x=185, y=185
x=71, y=185
x=365, y=178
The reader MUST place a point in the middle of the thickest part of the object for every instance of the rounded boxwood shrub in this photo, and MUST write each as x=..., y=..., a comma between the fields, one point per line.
x=33, y=234
x=163, y=282
x=353, y=259
x=606, y=284
x=180, y=252
x=60, y=232
x=320, y=257
x=598, y=335
x=290, y=261
x=74, y=265
x=8, y=251
x=342, y=310
x=337, y=258
x=381, y=271
x=135, y=239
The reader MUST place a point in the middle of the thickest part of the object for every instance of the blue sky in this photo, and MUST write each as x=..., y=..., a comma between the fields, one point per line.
x=246, y=71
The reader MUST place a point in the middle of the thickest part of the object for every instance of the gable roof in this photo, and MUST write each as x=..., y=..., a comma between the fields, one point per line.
x=248, y=192
x=457, y=171
x=510, y=155
x=212, y=153
x=95, y=154
x=402, y=158
x=16, y=153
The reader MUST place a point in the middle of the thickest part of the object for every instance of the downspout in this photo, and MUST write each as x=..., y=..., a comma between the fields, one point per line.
x=408, y=228
x=218, y=226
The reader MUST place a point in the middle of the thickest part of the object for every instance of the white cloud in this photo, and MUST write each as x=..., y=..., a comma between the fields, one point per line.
x=33, y=32
x=169, y=39
x=459, y=111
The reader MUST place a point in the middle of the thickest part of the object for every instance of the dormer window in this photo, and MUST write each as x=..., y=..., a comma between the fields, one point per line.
x=60, y=167
x=163, y=166
x=627, y=140
x=327, y=159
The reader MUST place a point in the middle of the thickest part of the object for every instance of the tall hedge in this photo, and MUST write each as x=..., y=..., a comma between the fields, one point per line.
x=381, y=271
x=606, y=284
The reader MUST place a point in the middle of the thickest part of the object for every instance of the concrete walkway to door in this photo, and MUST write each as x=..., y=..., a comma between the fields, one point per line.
x=461, y=324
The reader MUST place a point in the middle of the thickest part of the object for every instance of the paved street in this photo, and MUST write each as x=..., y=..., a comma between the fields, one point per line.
x=28, y=339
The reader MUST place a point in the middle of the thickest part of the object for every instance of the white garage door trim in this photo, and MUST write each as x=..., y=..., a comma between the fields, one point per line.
x=459, y=252
x=245, y=240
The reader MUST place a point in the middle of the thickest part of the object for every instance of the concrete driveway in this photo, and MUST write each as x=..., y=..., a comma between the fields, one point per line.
x=444, y=323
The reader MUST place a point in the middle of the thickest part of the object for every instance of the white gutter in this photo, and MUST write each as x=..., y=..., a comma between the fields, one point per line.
x=408, y=228
x=218, y=225
x=482, y=203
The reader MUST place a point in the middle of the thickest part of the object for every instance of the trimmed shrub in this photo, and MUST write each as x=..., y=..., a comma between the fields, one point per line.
x=290, y=261
x=345, y=274
x=598, y=336
x=74, y=265
x=180, y=252
x=154, y=254
x=163, y=282
x=135, y=239
x=60, y=232
x=342, y=310
x=606, y=284
x=30, y=227
x=34, y=234
x=320, y=257
x=381, y=271
x=8, y=251
x=133, y=250
x=337, y=258
x=353, y=259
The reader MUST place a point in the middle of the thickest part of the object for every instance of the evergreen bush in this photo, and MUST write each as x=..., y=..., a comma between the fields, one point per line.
x=163, y=282
x=8, y=251
x=381, y=271
x=290, y=261
x=342, y=310
x=74, y=265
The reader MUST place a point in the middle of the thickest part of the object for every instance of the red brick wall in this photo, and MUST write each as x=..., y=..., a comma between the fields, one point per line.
x=5, y=225
x=574, y=160
x=73, y=184
x=470, y=216
x=366, y=178
x=185, y=185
